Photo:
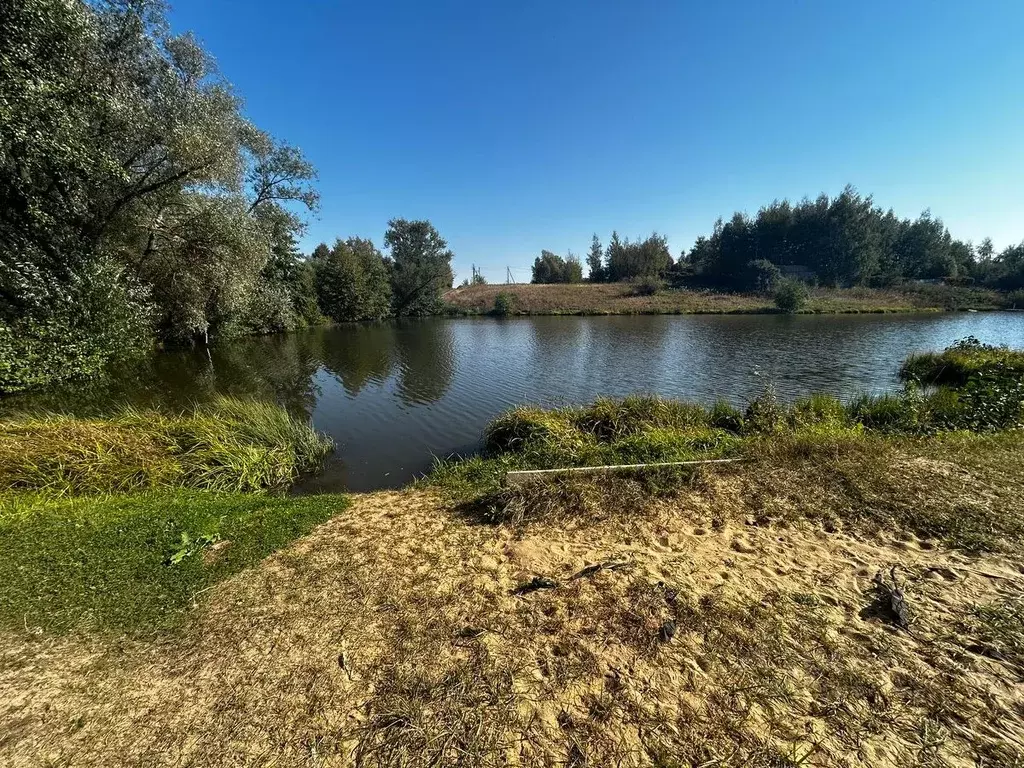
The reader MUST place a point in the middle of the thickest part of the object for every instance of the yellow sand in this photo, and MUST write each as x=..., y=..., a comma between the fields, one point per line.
x=390, y=636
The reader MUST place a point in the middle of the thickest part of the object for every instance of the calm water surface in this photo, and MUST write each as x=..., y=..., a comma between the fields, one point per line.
x=395, y=395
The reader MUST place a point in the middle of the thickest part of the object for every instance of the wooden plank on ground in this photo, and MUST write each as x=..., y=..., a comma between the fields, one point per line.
x=518, y=477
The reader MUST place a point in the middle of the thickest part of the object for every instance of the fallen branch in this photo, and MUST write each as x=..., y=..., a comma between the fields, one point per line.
x=894, y=598
x=518, y=477
x=607, y=565
x=537, y=582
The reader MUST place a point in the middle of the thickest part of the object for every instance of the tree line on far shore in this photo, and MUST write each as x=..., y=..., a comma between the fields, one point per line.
x=837, y=241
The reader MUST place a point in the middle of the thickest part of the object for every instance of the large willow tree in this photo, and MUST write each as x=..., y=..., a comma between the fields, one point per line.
x=135, y=197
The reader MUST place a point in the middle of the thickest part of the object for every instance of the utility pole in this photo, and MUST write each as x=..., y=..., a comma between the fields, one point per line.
x=508, y=276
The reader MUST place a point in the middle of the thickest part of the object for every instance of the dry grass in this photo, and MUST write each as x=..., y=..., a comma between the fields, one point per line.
x=620, y=299
x=392, y=636
x=228, y=445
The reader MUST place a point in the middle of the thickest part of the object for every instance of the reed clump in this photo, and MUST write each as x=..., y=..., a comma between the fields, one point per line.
x=228, y=445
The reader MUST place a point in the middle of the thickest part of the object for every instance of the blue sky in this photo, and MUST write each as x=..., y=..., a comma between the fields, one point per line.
x=517, y=126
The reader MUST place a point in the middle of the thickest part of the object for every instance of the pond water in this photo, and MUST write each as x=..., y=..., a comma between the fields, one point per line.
x=395, y=395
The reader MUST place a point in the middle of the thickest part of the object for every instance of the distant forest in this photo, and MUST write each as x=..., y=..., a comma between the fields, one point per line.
x=837, y=241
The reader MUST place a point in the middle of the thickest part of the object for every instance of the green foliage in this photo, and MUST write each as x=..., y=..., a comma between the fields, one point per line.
x=595, y=261
x=764, y=276
x=229, y=445
x=352, y=281
x=626, y=260
x=105, y=320
x=1014, y=299
x=959, y=363
x=421, y=267
x=839, y=241
x=790, y=295
x=504, y=304
x=1006, y=271
x=646, y=286
x=305, y=304
x=552, y=268
x=135, y=564
x=124, y=151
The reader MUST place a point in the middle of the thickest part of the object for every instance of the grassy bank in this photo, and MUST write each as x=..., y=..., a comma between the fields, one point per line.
x=135, y=562
x=623, y=299
x=230, y=445
x=118, y=523
x=987, y=397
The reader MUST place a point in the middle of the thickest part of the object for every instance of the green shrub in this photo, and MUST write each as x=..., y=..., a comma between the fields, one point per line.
x=725, y=416
x=992, y=399
x=765, y=414
x=646, y=286
x=504, y=304
x=790, y=295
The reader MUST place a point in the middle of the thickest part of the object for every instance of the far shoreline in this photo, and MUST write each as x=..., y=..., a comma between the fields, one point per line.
x=590, y=299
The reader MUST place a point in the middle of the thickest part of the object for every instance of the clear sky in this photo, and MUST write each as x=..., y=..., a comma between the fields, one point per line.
x=517, y=125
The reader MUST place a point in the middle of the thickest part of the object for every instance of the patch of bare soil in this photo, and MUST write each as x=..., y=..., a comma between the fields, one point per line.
x=400, y=634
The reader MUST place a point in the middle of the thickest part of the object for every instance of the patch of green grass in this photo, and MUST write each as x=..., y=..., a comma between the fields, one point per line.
x=962, y=362
x=229, y=445
x=135, y=563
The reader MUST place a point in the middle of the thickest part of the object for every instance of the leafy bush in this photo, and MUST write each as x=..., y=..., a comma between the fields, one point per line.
x=646, y=286
x=765, y=414
x=504, y=304
x=790, y=295
x=764, y=275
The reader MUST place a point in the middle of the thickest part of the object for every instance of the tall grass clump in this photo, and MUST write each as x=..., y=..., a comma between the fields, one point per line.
x=965, y=360
x=229, y=445
x=609, y=419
